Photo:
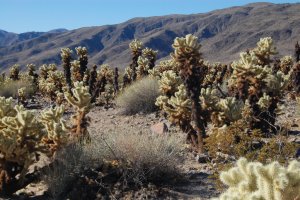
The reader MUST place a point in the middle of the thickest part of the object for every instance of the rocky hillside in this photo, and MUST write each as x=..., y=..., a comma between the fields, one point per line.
x=223, y=33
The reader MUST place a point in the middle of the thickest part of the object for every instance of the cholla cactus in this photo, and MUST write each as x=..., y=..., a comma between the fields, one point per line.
x=54, y=83
x=252, y=180
x=286, y=64
x=56, y=128
x=178, y=107
x=230, y=108
x=116, y=81
x=76, y=75
x=209, y=98
x=105, y=76
x=253, y=80
x=2, y=77
x=14, y=72
x=127, y=77
x=31, y=73
x=264, y=50
x=109, y=93
x=83, y=60
x=22, y=96
x=136, y=50
x=220, y=111
x=23, y=136
x=86, y=77
x=59, y=98
x=297, y=52
x=150, y=54
x=43, y=71
x=81, y=101
x=143, y=67
x=66, y=55
x=296, y=77
x=93, y=79
x=169, y=83
x=6, y=108
x=187, y=56
x=107, y=72
x=52, y=67
x=216, y=74
x=163, y=66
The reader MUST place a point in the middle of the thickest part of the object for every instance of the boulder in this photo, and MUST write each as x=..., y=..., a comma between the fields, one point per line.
x=159, y=128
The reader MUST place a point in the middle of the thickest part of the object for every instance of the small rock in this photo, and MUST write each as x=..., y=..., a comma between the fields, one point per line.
x=202, y=158
x=152, y=116
x=159, y=128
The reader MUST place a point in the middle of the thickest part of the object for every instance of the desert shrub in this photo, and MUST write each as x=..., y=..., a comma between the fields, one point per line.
x=139, y=97
x=235, y=141
x=227, y=144
x=9, y=88
x=130, y=158
x=142, y=156
x=61, y=173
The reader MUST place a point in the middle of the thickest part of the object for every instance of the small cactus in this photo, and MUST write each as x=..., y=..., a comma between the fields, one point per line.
x=14, y=72
x=81, y=101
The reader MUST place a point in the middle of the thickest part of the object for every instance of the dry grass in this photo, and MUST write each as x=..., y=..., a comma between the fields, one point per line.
x=142, y=156
x=10, y=88
x=139, y=97
x=138, y=158
x=62, y=172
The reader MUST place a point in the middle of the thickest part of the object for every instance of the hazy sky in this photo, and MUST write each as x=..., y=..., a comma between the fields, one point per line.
x=43, y=15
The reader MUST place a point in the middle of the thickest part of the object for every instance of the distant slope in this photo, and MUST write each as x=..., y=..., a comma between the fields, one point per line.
x=223, y=34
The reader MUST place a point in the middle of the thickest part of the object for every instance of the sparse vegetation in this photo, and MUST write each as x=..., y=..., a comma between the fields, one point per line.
x=134, y=158
x=227, y=112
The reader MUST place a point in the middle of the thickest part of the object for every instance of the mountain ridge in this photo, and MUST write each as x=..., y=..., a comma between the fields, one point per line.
x=223, y=34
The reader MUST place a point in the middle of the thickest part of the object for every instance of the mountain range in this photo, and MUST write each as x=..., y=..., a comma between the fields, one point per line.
x=222, y=33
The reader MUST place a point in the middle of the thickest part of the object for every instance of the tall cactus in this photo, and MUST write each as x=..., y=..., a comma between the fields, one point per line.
x=93, y=79
x=150, y=54
x=83, y=59
x=192, y=72
x=14, y=72
x=66, y=55
x=136, y=51
x=116, y=80
x=297, y=52
x=81, y=101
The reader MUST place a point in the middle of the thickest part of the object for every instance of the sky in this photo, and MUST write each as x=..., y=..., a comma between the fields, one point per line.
x=43, y=15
